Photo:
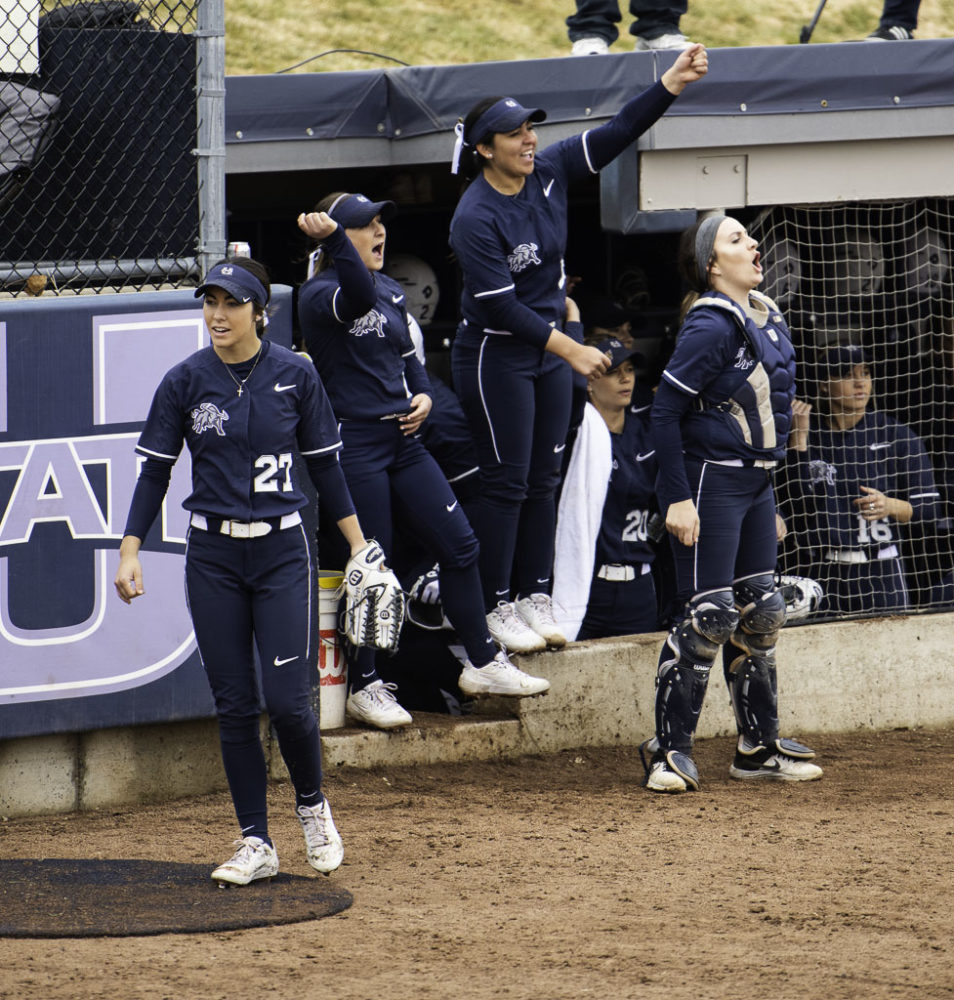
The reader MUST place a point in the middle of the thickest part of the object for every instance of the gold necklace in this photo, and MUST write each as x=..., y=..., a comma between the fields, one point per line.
x=241, y=384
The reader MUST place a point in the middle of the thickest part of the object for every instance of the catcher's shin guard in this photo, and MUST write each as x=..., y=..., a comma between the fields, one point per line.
x=749, y=662
x=684, y=665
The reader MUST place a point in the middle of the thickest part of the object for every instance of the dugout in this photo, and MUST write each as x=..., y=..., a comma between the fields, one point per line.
x=789, y=125
x=839, y=164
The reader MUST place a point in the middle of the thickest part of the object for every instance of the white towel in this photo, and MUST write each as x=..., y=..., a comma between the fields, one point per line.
x=578, y=520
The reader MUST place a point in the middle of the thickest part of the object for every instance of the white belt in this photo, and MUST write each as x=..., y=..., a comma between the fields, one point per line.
x=859, y=556
x=616, y=573
x=246, y=529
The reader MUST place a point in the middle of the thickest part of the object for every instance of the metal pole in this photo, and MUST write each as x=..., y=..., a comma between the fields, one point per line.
x=210, y=111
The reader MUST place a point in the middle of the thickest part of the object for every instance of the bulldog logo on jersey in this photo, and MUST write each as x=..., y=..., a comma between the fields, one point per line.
x=522, y=256
x=207, y=416
x=370, y=322
x=821, y=472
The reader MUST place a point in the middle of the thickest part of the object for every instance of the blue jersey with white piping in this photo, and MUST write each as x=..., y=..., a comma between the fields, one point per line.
x=511, y=247
x=242, y=445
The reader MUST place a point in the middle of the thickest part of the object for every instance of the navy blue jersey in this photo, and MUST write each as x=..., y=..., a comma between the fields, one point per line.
x=624, y=535
x=242, y=446
x=741, y=377
x=511, y=247
x=363, y=352
x=877, y=452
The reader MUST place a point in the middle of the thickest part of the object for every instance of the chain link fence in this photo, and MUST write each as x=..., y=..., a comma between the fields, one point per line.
x=111, y=152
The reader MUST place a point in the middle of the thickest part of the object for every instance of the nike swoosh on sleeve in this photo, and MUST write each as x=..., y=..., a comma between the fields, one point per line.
x=546, y=190
x=284, y=388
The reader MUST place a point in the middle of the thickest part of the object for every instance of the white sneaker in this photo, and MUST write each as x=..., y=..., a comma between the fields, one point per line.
x=537, y=611
x=589, y=47
x=376, y=706
x=322, y=840
x=512, y=632
x=784, y=760
x=500, y=676
x=675, y=40
x=253, y=860
x=662, y=778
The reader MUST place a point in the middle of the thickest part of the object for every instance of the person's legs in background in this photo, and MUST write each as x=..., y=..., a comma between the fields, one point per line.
x=592, y=29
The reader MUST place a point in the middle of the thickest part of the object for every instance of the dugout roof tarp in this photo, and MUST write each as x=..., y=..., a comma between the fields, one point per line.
x=422, y=100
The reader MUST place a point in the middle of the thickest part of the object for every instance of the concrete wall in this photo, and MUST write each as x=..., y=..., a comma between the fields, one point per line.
x=832, y=678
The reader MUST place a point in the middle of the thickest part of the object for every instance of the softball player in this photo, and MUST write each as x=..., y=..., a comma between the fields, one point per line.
x=866, y=474
x=355, y=328
x=721, y=420
x=605, y=507
x=244, y=407
x=509, y=235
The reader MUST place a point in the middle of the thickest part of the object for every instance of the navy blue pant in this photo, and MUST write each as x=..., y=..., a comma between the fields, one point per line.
x=901, y=13
x=651, y=18
x=393, y=477
x=737, y=535
x=257, y=590
x=517, y=399
x=627, y=607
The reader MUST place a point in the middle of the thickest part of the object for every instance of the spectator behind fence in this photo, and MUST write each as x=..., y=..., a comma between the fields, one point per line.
x=721, y=418
x=592, y=29
x=602, y=576
x=355, y=327
x=861, y=476
x=512, y=361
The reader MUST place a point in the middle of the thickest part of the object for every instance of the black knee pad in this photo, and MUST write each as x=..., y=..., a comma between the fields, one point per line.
x=683, y=676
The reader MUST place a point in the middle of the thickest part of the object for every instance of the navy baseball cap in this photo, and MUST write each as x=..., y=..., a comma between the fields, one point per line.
x=242, y=285
x=840, y=362
x=353, y=211
x=619, y=353
x=503, y=116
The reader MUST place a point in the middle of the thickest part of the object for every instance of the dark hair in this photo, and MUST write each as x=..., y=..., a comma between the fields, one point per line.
x=689, y=268
x=260, y=271
x=471, y=162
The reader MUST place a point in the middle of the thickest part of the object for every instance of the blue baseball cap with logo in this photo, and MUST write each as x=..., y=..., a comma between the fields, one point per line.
x=618, y=352
x=840, y=362
x=242, y=285
x=503, y=116
x=354, y=211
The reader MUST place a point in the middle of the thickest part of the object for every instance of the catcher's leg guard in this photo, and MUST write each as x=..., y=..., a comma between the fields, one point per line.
x=749, y=661
x=684, y=665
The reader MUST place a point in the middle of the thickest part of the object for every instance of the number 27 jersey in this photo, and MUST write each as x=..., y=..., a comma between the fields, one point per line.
x=242, y=446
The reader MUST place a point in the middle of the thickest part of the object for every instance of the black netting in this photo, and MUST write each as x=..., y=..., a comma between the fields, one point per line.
x=98, y=179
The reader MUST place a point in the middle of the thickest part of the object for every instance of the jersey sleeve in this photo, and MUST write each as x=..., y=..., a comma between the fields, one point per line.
x=917, y=478
x=355, y=292
x=669, y=406
x=317, y=424
x=705, y=344
x=164, y=432
x=488, y=279
x=587, y=153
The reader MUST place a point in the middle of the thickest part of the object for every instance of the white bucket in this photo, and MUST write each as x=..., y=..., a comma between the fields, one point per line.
x=332, y=667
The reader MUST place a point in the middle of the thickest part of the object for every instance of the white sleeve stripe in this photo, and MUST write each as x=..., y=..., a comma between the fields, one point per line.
x=407, y=354
x=494, y=291
x=155, y=454
x=922, y=496
x=672, y=380
x=586, y=152
x=334, y=304
x=321, y=451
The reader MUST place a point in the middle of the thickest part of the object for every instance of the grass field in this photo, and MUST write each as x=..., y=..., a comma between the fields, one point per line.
x=266, y=36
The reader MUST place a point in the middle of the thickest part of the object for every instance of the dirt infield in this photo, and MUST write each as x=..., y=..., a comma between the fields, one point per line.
x=557, y=877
